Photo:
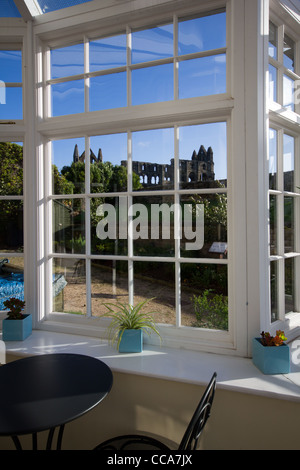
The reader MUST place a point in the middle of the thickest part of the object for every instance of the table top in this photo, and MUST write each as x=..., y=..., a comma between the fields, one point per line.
x=41, y=392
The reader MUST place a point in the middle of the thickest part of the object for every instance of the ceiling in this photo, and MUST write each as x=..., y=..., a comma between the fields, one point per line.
x=32, y=8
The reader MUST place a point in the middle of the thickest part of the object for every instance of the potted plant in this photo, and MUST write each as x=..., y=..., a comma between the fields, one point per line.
x=271, y=354
x=18, y=325
x=128, y=325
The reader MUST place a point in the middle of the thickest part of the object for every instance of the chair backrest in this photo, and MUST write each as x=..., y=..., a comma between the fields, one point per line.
x=200, y=417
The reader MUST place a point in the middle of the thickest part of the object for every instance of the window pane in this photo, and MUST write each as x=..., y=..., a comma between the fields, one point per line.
x=288, y=92
x=203, y=156
x=152, y=44
x=107, y=53
x=273, y=225
x=272, y=159
x=11, y=279
x=289, y=285
x=70, y=295
x=11, y=66
x=108, y=169
x=153, y=159
x=109, y=226
x=11, y=169
x=156, y=281
x=67, y=61
x=272, y=41
x=289, y=233
x=204, y=296
x=67, y=98
x=274, y=290
x=152, y=84
x=11, y=227
x=11, y=102
x=196, y=35
x=109, y=284
x=108, y=91
x=288, y=53
x=272, y=83
x=204, y=226
x=202, y=77
x=69, y=226
x=68, y=166
x=288, y=162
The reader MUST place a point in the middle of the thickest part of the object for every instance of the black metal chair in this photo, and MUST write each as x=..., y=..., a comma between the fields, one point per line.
x=190, y=438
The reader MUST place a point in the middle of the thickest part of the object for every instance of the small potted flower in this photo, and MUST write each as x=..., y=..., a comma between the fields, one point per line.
x=128, y=325
x=17, y=325
x=271, y=354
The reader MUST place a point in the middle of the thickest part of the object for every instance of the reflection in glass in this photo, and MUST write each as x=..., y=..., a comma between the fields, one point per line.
x=203, y=76
x=109, y=226
x=69, y=226
x=289, y=273
x=272, y=83
x=11, y=102
x=108, y=169
x=106, y=53
x=288, y=92
x=69, y=287
x=273, y=224
x=152, y=44
x=289, y=225
x=11, y=66
x=202, y=34
x=67, y=98
x=288, y=162
x=67, y=61
x=288, y=52
x=152, y=84
x=204, y=226
x=204, y=296
x=109, y=284
x=11, y=227
x=11, y=169
x=274, y=290
x=153, y=159
x=272, y=159
x=156, y=281
x=108, y=91
x=203, y=156
x=68, y=169
x=272, y=41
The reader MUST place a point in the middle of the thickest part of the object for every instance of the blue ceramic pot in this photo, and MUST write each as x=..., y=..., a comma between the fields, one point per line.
x=271, y=359
x=131, y=341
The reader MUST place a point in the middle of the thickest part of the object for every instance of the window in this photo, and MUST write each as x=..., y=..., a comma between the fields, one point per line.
x=11, y=101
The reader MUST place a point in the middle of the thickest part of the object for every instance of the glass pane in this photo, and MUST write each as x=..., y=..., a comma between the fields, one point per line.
x=69, y=286
x=108, y=169
x=203, y=156
x=272, y=41
x=274, y=290
x=69, y=226
x=67, y=98
x=289, y=285
x=109, y=284
x=156, y=281
x=9, y=10
x=288, y=53
x=152, y=44
x=152, y=84
x=289, y=225
x=272, y=83
x=204, y=296
x=11, y=279
x=67, y=61
x=11, y=66
x=52, y=5
x=288, y=92
x=204, y=226
x=11, y=169
x=195, y=34
x=11, y=102
x=109, y=226
x=152, y=226
x=202, y=77
x=272, y=159
x=68, y=166
x=153, y=159
x=288, y=162
x=273, y=225
x=11, y=227
x=107, y=53
x=108, y=91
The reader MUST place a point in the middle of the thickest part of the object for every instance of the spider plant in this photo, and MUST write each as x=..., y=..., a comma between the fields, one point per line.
x=129, y=317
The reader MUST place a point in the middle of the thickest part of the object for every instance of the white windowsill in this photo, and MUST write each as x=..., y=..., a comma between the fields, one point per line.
x=233, y=373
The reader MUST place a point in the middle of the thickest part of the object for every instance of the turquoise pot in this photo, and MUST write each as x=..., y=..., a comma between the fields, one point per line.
x=16, y=330
x=131, y=341
x=271, y=359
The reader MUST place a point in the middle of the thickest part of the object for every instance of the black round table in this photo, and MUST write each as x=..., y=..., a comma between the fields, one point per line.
x=44, y=392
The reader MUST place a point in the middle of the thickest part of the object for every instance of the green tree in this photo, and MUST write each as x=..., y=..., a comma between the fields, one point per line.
x=11, y=169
